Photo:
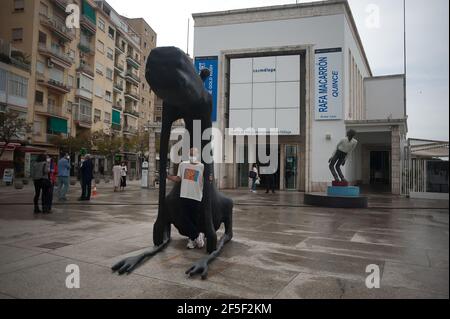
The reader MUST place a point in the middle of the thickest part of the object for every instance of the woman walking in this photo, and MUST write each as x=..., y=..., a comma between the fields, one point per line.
x=117, y=170
x=123, y=176
x=254, y=176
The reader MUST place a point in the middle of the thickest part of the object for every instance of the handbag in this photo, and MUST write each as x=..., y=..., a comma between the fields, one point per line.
x=258, y=181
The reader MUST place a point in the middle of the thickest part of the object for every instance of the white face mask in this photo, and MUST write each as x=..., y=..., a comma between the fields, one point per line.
x=192, y=159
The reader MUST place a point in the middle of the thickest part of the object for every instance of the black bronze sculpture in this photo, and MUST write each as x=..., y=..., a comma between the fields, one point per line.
x=340, y=155
x=171, y=75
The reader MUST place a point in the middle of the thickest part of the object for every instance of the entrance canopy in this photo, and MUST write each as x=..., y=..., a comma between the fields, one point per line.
x=428, y=148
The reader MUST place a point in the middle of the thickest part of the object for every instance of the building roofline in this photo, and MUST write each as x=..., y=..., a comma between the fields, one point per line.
x=348, y=13
x=384, y=77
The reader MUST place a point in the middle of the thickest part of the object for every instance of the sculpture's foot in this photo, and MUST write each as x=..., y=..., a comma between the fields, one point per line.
x=127, y=265
x=199, y=268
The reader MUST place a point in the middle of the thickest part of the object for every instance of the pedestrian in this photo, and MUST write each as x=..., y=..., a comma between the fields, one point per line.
x=79, y=172
x=117, y=170
x=270, y=183
x=52, y=175
x=39, y=173
x=190, y=174
x=254, y=177
x=87, y=174
x=123, y=176
x=63, y=176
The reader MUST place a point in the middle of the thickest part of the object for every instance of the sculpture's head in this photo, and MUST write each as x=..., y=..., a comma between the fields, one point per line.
x=351, y=134
x=172, y=76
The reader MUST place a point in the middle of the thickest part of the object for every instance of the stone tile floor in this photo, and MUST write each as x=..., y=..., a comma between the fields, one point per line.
x=281, y=248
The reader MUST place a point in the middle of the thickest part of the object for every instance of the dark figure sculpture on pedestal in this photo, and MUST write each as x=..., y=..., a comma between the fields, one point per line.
x=171, y=75
x=340, y=155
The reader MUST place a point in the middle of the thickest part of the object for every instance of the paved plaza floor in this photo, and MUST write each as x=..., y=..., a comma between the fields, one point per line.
x=281, y=248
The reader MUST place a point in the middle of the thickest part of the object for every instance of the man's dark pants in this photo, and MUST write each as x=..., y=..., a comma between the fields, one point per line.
x=190, y=210
x=86, y=188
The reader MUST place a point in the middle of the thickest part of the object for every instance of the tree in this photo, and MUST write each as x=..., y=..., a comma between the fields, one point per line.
x=105, y=144
x=13, y=127
x=72, y=144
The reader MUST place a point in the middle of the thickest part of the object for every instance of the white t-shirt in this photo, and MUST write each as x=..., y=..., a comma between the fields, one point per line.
x=191, y=180
x=123, y=171
x=346, y=146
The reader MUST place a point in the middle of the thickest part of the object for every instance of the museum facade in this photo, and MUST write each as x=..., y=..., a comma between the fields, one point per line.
x=300, y=69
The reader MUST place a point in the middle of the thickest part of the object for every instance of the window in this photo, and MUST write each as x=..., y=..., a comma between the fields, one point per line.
x=85, y=83
x=43, y=9
x=107, y=118
x=85, y=108
x=101, y=24
x=70, y=81
x=3, y=75
x=108, y=96
x=42, y=38
x=18, y=85
x=97, y=115
x=71, y=54
x=145, y=45
x=37, y=128
x=40, y=67
x=100, y=46
x=39, y=97
x=98, y=91
x=19, y=5
x=69, y=106
x=17, y=34
x=109, y=74
x=56, y=74
x=110, y=54
x=51, y=101
x=111, y=33
x=99, y=68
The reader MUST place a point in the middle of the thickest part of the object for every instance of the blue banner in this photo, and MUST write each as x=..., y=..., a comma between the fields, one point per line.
x=210, y=63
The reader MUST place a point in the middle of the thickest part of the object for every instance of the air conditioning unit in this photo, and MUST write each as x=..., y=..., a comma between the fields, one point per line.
x=50, y=63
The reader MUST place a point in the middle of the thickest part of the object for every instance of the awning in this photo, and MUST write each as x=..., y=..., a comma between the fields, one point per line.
x=115, y=117
x=57, y=125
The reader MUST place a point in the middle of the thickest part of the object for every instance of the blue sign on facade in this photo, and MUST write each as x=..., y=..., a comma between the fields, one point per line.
x=210, y=63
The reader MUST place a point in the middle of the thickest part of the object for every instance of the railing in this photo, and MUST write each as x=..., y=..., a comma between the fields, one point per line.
x=132, y=94
x=62, y=4
x=88, y=23
x=85, y=47
x=129, y=110
x=132, y=59
x=129, y=129
x=56, y=53
x=116, y=127
x=117, y=106
x=7, y=56
x=118, y=86
x=68, y=34
x=133, y=76
x=86, y=68
x=83, y=118
x=120, y=66
x=54, y=110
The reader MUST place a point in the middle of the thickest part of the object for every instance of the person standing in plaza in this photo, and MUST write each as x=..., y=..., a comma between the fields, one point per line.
x=87, y=174
x=254, y=177
x=123, y=176
x=190, y=174
x=117, y=171
x=39, y=173
x=63, y=176
x=270, y=183
x=52, y=176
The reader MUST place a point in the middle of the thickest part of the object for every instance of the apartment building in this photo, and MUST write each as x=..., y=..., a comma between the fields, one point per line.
x=81, y=80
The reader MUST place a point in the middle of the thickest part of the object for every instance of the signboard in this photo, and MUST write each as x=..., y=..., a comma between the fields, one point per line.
x=8, y=175
x=329, y=83
x=210, y=63
x=265, y=95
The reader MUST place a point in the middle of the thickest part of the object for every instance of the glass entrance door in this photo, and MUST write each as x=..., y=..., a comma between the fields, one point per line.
x=290, y=167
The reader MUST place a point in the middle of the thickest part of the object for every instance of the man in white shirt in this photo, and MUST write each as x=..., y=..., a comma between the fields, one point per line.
x=190, y=174
x=344, y=148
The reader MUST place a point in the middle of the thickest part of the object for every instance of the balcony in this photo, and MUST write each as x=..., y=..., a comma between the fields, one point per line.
x=9, y=55
x=120, y=67
x=116, y=127
x=53, y=85
x=86, y=68
x=58, y=28
x=133, y=78
x=127, y=129
x=61, y=4
x=83, y=120
x=52, y=111
x=131, y=60
x=131, y=94
x=130, y=111
x=120, y=49
x=86, y=47
x=118, y=87
x=88, y=24
x=83, y=93
x=56, y=56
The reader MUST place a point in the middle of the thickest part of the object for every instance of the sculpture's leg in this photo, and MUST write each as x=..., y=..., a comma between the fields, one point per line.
x=127, y=265
x=201, y=266
x=332, y=169
x=338, y=168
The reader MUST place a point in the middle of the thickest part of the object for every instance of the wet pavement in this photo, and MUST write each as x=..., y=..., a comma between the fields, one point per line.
x=281, y=248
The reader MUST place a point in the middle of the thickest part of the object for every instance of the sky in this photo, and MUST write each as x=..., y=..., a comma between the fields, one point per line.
x=427, y=27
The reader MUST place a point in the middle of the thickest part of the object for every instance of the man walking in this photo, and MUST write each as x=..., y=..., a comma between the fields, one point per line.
x=87, y=174
x=63, y=176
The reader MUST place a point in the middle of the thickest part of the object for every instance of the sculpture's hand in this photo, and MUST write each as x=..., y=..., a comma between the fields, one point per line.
x=127, y=265
x=200, y=267
x=329, y=161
